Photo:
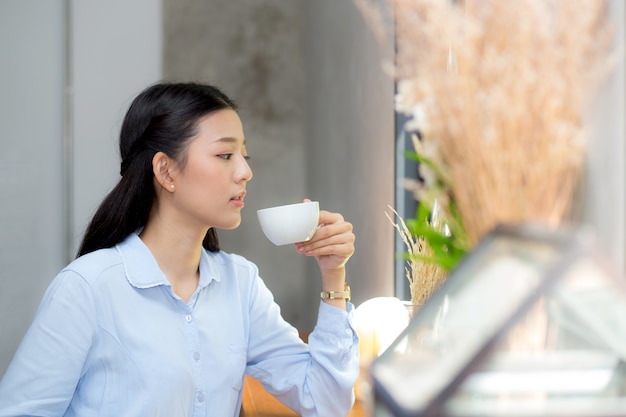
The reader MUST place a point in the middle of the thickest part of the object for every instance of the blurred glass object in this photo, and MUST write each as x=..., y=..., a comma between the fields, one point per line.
x=534, y=325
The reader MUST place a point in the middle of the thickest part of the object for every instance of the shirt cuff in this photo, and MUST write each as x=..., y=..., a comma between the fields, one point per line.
x=337, y=322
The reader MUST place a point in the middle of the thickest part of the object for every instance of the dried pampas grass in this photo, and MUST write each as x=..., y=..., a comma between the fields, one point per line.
x=424, y=277
x=498, y=89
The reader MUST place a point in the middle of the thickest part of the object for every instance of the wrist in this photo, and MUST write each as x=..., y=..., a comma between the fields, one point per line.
x=333, y=280
x=334, y=294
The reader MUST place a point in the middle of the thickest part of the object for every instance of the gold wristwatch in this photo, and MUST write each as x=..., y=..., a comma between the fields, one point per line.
x=334, y=295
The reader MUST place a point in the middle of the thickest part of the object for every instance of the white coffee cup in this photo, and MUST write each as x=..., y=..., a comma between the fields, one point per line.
x=290, y=223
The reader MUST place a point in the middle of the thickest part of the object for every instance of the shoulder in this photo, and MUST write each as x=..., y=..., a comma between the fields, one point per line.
x=76, y=283
x=93, y=265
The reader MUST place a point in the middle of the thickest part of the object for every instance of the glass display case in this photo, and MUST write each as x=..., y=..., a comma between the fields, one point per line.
x=531, y=323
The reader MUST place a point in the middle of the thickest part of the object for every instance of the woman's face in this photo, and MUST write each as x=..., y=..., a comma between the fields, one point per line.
x=211, y=187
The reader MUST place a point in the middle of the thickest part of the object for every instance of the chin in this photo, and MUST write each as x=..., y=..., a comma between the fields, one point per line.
x=231, y=226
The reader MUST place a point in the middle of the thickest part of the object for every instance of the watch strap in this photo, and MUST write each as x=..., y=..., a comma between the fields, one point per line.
x=335, y=295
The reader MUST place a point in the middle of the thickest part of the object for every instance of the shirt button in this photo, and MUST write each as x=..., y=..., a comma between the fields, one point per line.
x=201, y=397
x=196, y=356
x=188, y=318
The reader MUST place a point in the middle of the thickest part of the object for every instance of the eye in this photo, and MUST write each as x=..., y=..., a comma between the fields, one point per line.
x=229, y=156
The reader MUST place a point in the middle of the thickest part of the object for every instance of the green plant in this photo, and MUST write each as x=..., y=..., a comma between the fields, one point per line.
x=437, y=219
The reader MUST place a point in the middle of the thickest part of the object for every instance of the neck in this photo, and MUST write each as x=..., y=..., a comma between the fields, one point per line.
x=177, y=252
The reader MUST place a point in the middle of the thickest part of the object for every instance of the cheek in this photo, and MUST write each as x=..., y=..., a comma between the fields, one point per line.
x=198, y=170
x=209, y=178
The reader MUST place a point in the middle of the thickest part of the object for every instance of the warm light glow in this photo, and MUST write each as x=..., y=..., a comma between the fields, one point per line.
x=378, y=321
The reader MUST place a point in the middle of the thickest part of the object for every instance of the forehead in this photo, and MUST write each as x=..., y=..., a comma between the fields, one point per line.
x=222, y=126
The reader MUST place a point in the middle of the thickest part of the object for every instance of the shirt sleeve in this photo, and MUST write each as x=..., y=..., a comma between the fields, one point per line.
x=45, y=370
x=315, y=379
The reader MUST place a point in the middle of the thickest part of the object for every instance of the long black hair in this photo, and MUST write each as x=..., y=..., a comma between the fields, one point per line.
x=162, y=118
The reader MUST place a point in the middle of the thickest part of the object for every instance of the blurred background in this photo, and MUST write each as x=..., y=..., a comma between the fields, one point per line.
x=317, y=107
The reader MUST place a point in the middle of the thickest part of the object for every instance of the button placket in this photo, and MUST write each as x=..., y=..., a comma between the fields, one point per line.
x=192, y=338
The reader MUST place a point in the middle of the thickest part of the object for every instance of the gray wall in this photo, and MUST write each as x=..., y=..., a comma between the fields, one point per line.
x=48, y=195
x=31, y=158
x=350, y=138
x=116, y=51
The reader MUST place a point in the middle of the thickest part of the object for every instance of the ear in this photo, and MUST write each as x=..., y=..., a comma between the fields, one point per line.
x=162, y=168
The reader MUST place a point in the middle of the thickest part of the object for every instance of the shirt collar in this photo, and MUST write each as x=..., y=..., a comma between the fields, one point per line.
x=142, y=269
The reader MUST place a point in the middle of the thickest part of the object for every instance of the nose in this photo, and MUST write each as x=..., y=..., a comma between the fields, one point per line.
x=244, y=172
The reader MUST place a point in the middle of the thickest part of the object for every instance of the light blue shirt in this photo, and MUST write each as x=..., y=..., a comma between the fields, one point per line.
x=111, y=338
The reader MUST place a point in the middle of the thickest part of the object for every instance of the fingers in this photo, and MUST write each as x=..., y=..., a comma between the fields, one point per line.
x=334, y=237
x=333, y=233
x=336, y=244
x=327, y=218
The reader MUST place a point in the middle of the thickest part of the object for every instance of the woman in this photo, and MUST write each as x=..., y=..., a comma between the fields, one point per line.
x=152, y=319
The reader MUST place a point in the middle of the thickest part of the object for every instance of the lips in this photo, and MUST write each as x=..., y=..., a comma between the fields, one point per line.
x=239, y=197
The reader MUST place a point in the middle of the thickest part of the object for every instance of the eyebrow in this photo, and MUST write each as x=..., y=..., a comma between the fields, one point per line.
x=230, y=140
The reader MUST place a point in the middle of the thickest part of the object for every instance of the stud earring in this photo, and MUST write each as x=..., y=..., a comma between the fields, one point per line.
x=172, y=186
